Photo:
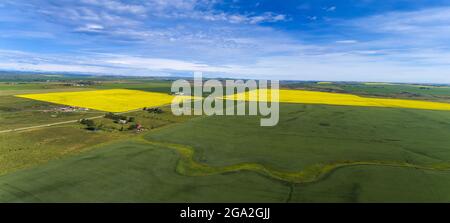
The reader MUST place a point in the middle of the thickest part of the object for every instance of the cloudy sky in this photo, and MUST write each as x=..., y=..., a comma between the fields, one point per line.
x=359, y=40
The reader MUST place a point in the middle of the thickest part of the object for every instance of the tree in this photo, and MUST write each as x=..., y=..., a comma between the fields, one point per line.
x=90, y=124
x=109, y=115
x=155, y=110
x=87, y=122
x=115, y=117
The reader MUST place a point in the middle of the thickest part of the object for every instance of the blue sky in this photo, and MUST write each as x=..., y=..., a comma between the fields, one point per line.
x=346, y=40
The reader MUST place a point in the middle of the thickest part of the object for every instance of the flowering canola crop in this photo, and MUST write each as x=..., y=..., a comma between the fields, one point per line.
x=115, y=100
x=314, y=97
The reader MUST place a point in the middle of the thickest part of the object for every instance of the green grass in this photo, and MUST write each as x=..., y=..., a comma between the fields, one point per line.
x=311, y=134
x=20, y=112
x=405, y=91
x=154, y=86
x=377, y=184
x=19, y=150
x=418, y=91
x=132, y=172
x=20, y=86
x=190, y=167
x=248, y=163
x=29, y=148
x=317, y=153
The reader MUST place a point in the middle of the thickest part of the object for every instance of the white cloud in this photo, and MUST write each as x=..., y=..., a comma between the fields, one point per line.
x=417, y=38
x=117, y=6
x=90, y=28
x=160, y=64
x=349, y=66
x=425, y=22
x=350, y=41
x=401, y=46
x=330, y=9
x=267, y=17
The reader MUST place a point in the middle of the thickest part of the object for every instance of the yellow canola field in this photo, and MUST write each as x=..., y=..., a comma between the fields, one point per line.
x=115, y=100
x=314, y=97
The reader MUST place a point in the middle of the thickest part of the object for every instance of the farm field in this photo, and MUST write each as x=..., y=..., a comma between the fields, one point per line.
x=330, y=153
x=314, y=134
x=314, y=97
x=399, y=91
x=146, y=165
x=132, y=172
x=114, y=100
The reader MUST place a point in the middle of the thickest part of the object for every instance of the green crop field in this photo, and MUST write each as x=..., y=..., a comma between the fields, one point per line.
x=406, y=91
x=317, y=153
x=132, y=172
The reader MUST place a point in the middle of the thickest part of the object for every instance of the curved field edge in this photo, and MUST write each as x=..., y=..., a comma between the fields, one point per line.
x=189, y=167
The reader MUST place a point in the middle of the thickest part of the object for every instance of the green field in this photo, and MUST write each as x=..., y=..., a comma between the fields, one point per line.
x=316, y=153
x=132, y=172
x=405, y=91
